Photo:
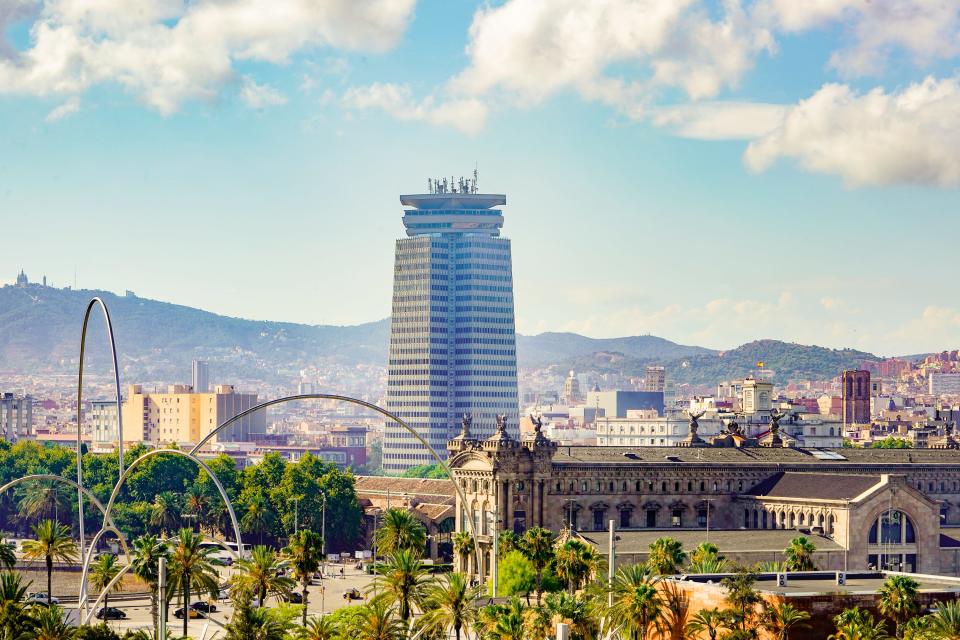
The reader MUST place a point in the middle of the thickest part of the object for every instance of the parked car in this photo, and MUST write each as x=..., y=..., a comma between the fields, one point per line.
x=40, y=598
x=295, y=597
x=193, y=613
x=110, y=613
x=352, y=594
x=204, y=607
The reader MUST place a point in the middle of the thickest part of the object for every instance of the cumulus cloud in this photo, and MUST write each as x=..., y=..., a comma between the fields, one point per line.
x=719, y=120
x=532, y=49
x=878, y=138
x=70, y=106
x=259, y=96
x=468, y=115
x=169, y=51
x=926, y=30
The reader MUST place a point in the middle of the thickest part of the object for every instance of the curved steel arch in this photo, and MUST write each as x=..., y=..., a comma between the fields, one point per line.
x=106, y=590
x=85, y=567
x=50, y=476
x=362, y=403
x=200, y=463
x=116, y=378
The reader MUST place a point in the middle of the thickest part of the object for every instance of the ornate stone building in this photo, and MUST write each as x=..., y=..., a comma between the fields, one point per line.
x=885, y=508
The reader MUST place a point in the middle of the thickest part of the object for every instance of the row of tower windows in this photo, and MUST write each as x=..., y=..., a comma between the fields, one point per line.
x=610, y=486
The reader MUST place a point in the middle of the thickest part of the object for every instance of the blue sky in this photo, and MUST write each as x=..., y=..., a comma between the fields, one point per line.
x=709, y=172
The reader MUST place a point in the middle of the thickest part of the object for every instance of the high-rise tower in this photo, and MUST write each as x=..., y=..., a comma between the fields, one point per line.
x=452, y=335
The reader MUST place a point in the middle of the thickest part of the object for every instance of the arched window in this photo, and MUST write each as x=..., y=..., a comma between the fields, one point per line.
x=892, y=527
x=676, y=486
x=663, y=486
x=638, y=486
x=703, y=485
x=690, y=485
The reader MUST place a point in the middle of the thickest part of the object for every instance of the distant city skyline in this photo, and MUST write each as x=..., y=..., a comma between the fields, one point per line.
x=790, y=172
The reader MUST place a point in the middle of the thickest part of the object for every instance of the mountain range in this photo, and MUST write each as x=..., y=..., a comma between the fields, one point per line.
x=40, y=330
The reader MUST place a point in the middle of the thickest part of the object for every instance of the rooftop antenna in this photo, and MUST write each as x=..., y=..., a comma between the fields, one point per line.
x=429, y=185
x=475, y=178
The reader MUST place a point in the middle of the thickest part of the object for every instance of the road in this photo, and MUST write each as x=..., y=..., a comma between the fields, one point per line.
x=325, y=595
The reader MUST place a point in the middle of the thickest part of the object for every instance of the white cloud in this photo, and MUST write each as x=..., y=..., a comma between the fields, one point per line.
x=259, y=96
x=169, y=51
x=719, y=120
x=879, y=138
x=926, y=30
x=72, y=105
x=532, y=49
x=468, y=115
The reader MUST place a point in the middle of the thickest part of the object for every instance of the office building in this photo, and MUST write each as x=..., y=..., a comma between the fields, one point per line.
x=655, y=379
x=16, y=416
x=615, y=404
x=646, y=428
x=452, y=335
x=943, y=384
x=103, y=422
x=855, y=397
x=571, y=390
x=757, y=395
x=201, y=376
x=182, y=416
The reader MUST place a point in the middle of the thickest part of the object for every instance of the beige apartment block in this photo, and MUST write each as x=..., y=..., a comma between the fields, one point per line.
x=182, y=416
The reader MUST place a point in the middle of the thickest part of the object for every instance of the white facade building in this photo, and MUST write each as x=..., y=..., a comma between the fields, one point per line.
x=943, y=384
x=646, y=429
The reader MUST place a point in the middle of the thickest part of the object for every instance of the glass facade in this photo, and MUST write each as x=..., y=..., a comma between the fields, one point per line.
x=452, y=338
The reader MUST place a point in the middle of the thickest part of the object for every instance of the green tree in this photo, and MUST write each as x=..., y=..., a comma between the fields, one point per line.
x=945, y=623
x=102, y=573
x=165, y=511
x=576, y=612
x=248, y=623
x=145, y=565
x=742, y=598
x=507, y=541
x=192, y=569
x=709, y=621
x=403, y=583
x=800, y=554
x=98, y=632
x=780, y=619
x=899, y=600
x=379, y=622
x=449, y=604
x=509, y=625
x=8, y=557
x=432, y=471
x=575, y=563
x=50, y=623
x=637, y=603
x=44, y=500
x=464, y=546
x=666, y=556
x=320, y=628
x=516, y=574
x=14, y=617
x=196, y=504
x=857, y=624
x=304, y=553
x=258, y=516
x=262, y=574
x=537, y=547
x=52, y=544
x=705, y=551
x=891, y=442
x=400, y=531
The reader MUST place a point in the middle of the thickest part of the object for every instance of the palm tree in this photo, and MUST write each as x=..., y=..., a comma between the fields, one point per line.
x=53, y=543
x=379, y=623
x=165, y=511
x=403, y=582
x=192, y=569
x=576, y=612
x=637, y=604
x=666, y=556
x=262, y=574
x=509, y=626
x=449, y=604
x=507, y=541
x=771, y=566
x=709, y=565
x=537, y=623
x=899, y=600
x=857, y=624
x=43, y=499
x=49, y=623
x=464, y=546
x=800, y=554
x=945, y=623
x=195, y=503
x=304, y=553
x=145, y=565
x=257, y=518
x=676, y=611
x=705, y=551
x=537, y=547
x=103, y=573
x=779, y=619
x=12, y=588
x=400, y=531
x=576, y=562
x=8, y=556
x=742, y=598
x=319, y=628
x=706, y=620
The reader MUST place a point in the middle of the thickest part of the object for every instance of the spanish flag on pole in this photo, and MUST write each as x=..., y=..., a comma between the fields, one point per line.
x=760, y=365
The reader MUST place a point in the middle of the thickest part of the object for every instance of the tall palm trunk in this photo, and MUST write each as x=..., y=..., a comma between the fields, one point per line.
x=186, y=602
x=306, y=581
x=154, y=606
x=49, y=579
